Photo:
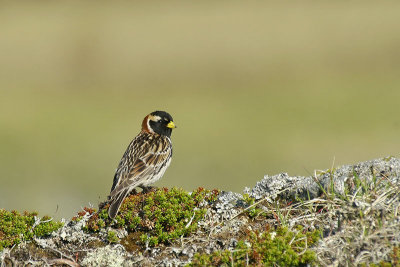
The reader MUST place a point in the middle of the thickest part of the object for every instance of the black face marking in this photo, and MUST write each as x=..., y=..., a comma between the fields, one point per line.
x=160, y=126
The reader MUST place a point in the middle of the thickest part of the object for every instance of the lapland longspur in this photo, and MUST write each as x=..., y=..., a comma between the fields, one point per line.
x=145, y=160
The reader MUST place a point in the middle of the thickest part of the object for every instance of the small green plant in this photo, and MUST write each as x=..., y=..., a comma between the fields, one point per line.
x=388, y=158
x=112, y=237
x=280, y=247
x=15, y=227
x=253, y=211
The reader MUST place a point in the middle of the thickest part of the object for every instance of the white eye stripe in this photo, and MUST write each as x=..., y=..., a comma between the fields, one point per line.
x=154, y=118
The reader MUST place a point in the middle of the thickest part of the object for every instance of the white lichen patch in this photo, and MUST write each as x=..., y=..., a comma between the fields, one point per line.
x=112, y=256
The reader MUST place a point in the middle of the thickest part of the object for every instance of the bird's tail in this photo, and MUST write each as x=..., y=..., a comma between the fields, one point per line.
x=116, y=202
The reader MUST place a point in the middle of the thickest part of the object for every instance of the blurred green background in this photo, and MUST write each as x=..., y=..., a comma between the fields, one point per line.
x=255, y=88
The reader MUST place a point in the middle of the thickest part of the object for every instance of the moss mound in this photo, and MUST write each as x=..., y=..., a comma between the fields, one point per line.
x=161, y=216
x=15, y=227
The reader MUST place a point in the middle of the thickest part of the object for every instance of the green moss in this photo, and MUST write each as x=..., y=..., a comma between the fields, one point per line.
x=162, y=216
x=112, y=237
x=280, y=247
x=15, y=227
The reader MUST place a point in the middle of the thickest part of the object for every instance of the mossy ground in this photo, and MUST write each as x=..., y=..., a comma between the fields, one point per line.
x=160, y=216
x=164, y=216
x=16, y=227
x=280, y=247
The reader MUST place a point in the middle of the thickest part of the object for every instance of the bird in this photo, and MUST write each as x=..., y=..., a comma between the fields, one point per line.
x=145, y=160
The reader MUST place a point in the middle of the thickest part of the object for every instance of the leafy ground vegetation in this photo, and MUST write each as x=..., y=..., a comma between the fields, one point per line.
x=279, y=247
x=351, y=219
x=160, y=216
x=16, y=228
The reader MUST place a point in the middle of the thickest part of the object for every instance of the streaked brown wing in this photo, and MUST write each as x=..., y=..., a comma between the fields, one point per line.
x=148, y=159
x=149, y=163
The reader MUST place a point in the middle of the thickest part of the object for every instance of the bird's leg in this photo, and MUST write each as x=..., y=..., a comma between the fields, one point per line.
x=103, y=204
x=133, y=192
x=147, y=189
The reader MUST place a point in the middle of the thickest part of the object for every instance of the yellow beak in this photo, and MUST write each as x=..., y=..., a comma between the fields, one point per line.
x=171, y=125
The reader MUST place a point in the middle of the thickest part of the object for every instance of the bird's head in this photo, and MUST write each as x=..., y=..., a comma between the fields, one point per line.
x=158, y=122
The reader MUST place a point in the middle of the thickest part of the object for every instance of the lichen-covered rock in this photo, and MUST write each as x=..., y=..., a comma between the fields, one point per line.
x=270, y=187
x=72, y=231
x=339, y=180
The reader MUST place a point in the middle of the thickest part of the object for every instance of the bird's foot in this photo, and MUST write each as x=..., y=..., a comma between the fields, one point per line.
x=133, y=192
x=147, y=189
x=103, y=204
